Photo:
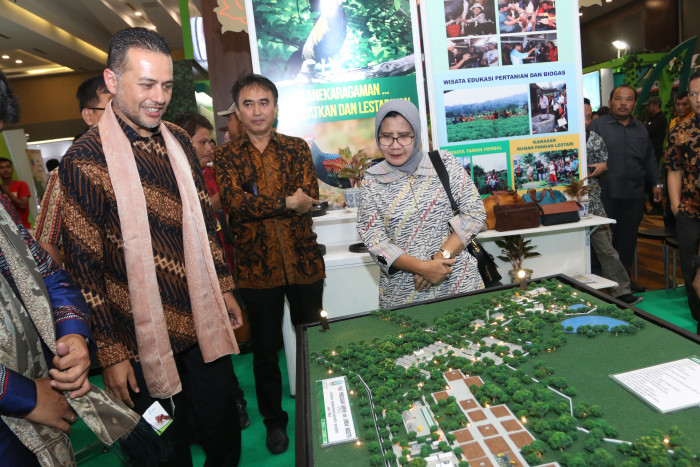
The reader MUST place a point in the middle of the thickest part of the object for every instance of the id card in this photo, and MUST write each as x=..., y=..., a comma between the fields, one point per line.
x=158, y=418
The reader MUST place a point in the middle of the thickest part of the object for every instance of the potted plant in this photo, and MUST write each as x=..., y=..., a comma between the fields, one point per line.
x=351, y=167
x=578, y=190
x=515, y=249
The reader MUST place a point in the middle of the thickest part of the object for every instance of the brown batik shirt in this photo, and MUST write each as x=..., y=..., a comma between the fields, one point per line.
x=683, y=154
x=274, y=246
x=94, y=245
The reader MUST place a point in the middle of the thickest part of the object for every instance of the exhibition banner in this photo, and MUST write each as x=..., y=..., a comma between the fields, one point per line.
x=335, y=62
x=505, y=91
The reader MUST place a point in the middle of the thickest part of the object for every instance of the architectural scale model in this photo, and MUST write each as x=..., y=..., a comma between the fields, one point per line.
x=455, y=392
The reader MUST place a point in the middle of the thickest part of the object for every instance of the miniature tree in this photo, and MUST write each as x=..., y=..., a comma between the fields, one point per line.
x=560, y=440
x=418, y=462
x=602, y=458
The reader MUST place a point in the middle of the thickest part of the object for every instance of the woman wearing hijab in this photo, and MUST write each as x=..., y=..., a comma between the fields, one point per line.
x=405, y=218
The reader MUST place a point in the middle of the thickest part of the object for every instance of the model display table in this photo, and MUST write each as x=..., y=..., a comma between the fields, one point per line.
x=479, y=377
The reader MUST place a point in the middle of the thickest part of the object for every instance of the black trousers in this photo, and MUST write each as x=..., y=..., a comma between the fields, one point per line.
x=688, y=236
x=628, y=213
x=205, y=407
x=265, y=311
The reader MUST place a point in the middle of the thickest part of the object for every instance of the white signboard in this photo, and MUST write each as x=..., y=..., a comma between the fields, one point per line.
x=667, y=387
x=337, y=425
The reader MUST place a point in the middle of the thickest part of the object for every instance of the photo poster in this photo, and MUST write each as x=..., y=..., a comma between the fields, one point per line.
x=335, y=62
x=505, y=89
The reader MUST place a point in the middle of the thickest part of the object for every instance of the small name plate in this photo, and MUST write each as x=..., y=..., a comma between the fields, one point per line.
x=337, y=425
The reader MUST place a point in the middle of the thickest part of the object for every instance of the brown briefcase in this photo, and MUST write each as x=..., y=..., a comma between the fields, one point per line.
x=516, y=216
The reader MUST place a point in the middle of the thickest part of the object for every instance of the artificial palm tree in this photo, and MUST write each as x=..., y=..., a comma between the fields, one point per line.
x=515, y=249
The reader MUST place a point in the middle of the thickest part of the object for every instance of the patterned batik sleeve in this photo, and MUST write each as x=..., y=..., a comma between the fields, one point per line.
x=307, y=173
x=471, y=217
x=84, y=206
x=673, y=155
x=47, y=228
x=235, y=176
x=370, y=226
x=596, y=150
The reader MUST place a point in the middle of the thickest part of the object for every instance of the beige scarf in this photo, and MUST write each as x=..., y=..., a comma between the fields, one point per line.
x=211, y=319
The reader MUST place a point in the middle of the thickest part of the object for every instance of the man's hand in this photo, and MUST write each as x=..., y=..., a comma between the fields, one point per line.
x=658, y=194
x=51, y=408
x=300, y=202
x=72, y=364
x=598, y=169
x=116, y=378
x=234, y=310
x=696, y=282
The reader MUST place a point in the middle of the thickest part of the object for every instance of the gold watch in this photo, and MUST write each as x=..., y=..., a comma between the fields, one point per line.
x=445, y=253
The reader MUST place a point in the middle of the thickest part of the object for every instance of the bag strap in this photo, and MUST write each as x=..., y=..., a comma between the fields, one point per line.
x=534, y=195
x=443, y=176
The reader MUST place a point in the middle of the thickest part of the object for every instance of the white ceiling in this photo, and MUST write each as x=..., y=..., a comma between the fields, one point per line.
x=52, y=34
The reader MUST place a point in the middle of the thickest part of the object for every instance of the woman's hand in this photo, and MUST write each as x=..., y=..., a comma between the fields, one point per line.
x=433, y=271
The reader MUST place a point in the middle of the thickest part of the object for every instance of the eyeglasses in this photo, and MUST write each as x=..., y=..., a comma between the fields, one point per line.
x=96, y=108
x=404, y=140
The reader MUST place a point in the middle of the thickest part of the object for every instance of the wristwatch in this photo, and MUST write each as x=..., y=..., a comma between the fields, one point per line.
x=445, y=254
x=695, y=261
x=660, y=185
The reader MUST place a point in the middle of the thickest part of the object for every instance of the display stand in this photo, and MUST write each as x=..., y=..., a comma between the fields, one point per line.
x=352, y=279
x=564, y=248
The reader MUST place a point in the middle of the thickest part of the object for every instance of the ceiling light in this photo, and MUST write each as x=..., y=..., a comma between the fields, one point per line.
x=152, y=27
x=138, y=13
x=5, y=57
x=18, y=61
x=38, y=71
x=608, y=1
x=580, y=14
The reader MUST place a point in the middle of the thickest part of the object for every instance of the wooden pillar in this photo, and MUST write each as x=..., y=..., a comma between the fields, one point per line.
x=661, y=25
x=228, y=55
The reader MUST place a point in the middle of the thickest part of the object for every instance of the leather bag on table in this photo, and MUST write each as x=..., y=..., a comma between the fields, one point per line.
x=545, y=196
x=503, y=197
x=516, y=216
x=559, y=213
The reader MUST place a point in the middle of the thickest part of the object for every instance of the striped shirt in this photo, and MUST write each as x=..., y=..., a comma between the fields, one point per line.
x=400, y=213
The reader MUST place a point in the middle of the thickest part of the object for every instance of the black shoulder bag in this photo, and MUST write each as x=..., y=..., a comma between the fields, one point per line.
x=487, y=266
